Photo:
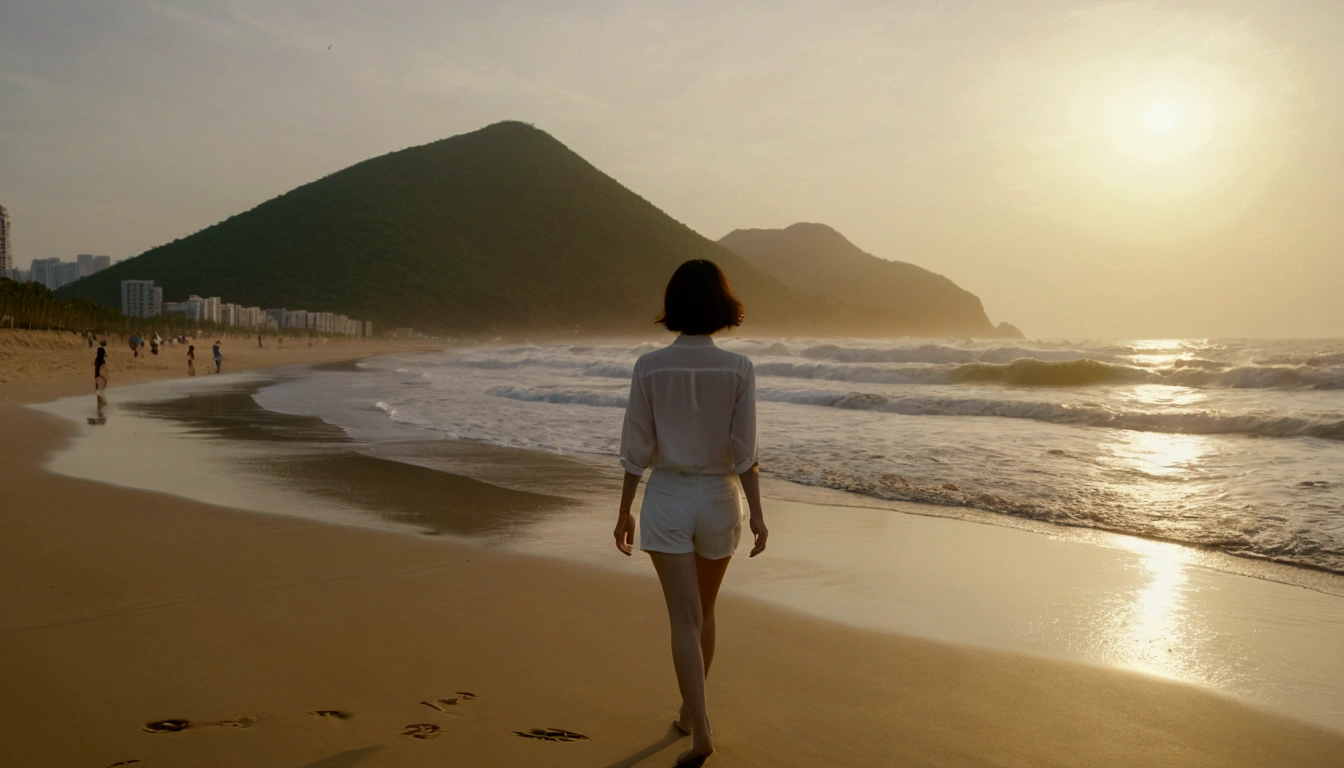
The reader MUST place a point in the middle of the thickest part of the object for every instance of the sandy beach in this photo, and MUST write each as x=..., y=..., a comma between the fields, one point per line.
x=254, y=639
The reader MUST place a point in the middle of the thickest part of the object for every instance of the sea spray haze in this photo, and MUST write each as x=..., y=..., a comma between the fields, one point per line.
x=1235, y=445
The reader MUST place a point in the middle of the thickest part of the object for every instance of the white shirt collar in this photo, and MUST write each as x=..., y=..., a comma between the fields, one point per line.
x=687, y=340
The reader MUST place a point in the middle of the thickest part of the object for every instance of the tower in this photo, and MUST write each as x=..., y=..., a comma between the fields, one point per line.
x=6, y=244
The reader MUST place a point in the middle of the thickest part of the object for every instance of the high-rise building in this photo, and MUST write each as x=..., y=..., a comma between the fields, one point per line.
x=6, y=244
x=203, y=310
x=42, y=271
x=88, y=263
x=141, y=298
x=54, y=273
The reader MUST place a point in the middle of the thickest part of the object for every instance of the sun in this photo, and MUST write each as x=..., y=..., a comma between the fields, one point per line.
x=1162, y=118
x=1163, y=125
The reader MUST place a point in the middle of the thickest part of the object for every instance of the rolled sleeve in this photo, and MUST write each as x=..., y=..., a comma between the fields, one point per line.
x=638, y=439
x=743, y=431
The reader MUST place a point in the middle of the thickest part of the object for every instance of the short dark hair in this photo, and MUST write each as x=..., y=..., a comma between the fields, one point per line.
x=699, y=301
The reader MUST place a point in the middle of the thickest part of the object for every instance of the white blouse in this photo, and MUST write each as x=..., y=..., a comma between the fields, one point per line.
x=692, y=409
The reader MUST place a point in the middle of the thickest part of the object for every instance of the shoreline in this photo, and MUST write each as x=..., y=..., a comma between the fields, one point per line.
x=1306, y=576
x=126, y=606
x=214, y=442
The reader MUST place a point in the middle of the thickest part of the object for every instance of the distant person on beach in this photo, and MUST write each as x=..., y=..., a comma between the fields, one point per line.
x=99, y=375
x=135, y=346
x=218, y=357
x=191, y=360
x=258, y=341
x=692, y=416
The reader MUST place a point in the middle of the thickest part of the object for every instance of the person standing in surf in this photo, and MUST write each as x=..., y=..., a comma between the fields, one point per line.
x=691, y=416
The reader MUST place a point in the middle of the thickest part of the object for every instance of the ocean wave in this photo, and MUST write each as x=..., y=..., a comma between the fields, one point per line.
x=1261, y=377
x=1040, y=373
x=774, y=350
x=1242, y=536
x=859, y=374
x=1200, y=363
x=560, y=396
x=1327, y=427
x=941, y=353
x=1314, y=360
x=610, y=370
x=1029, y=372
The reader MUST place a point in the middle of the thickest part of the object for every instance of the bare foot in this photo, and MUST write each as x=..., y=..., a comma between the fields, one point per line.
x=694, y=758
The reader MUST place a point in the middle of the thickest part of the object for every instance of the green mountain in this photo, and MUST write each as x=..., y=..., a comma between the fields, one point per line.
x=500, y=230
x=817, y=260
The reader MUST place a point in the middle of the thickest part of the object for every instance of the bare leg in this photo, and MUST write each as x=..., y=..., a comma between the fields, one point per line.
x=709, y=576
x=681, y=590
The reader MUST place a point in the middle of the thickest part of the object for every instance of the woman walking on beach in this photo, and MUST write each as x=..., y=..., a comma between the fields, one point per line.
x=219, y=359
x=191, y=360
x=692, y=417
x=99, y=362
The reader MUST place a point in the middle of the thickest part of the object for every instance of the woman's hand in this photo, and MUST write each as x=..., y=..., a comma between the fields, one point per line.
x=759, y=531
x=625, y=532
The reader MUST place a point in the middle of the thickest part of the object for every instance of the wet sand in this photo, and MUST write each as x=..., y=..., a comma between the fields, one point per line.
x=296, y=643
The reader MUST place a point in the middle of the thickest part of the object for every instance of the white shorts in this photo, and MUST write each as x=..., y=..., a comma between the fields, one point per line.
x=684, y=513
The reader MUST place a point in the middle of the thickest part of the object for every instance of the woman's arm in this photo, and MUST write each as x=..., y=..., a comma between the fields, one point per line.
x=625, y=522
x=751, y=486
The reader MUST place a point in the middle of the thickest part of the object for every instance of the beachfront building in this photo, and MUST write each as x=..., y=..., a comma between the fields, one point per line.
x=203, y=310
x=141, y=298
x=250, y=317
x=213, y=310
x=7, y=267
x=54, y=273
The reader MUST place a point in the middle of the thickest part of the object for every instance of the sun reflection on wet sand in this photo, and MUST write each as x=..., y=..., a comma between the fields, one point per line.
x=1151, y=632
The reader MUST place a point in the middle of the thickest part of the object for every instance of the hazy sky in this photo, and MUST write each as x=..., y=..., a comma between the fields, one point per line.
x=1107, y=169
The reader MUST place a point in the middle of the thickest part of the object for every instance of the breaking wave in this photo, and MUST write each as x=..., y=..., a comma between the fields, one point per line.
x=1171, y=422
x=560, y=396
x=1029, y=372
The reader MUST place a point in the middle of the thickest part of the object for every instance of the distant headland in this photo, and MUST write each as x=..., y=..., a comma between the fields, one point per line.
x=505, y=229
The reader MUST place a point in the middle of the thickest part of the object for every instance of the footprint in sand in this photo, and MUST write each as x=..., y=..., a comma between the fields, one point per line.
x=442, y=705
x=333, y=713
x=551, y=734
x=177, y=726
x=421, y=731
